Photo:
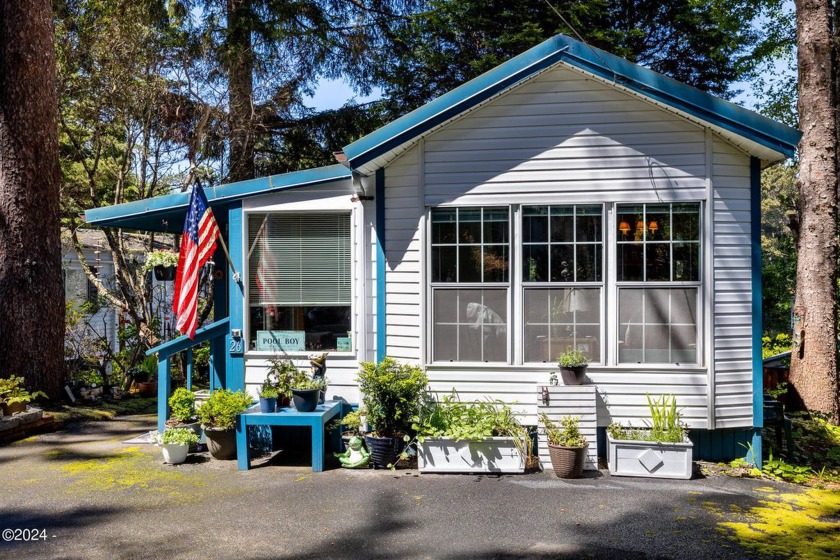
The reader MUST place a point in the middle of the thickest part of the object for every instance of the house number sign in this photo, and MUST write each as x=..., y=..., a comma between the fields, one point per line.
x=236, y=346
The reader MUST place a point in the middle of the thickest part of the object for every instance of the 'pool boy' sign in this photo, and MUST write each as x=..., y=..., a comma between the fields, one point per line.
x=287, y=341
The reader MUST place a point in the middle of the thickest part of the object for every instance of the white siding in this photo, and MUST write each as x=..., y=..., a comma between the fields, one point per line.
x=574, y=400
x=733, y=287
x=560, y=137
x=403, y=250
x=341, y=374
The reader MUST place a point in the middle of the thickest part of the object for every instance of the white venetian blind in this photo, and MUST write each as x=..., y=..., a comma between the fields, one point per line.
x=299, y=259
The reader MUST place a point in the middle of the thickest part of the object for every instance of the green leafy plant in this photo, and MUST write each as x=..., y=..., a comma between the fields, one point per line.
x=220, y=410
x=282, y=375
x=566, y=435
x=391, y=393
x=176, y=436
x=352, y=421
x=304, y=382
x=13, y=391
x=268, y=391
x=159, y=258
x=778, y=391
x=182, y=403
x=572, y=358
x=773, y=346
x=666, y=425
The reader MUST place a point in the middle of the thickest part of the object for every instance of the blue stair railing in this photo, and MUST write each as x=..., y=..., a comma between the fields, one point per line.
x=167, y=350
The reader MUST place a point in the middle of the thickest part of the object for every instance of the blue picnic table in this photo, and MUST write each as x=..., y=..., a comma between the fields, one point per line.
x=316, y=420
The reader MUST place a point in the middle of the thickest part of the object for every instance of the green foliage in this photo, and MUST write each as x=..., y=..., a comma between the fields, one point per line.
x=781, y=389
x=220, y=410
x=159, y=258
x=779, y=198
x=201, y=354
x=785, y=471
x=572, y=358
x=391, y=393
x=567, y=436
x=303, y=382
x=282, y=375
x=13, y=391
x=770, y=347
x=452, y=418
x=182, y=403
x=177, y=436
x=268, y=392
x=352, y=420
x=666, y=426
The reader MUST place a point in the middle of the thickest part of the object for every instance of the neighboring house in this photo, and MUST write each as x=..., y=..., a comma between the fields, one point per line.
x=78, y=289
x=567, y=198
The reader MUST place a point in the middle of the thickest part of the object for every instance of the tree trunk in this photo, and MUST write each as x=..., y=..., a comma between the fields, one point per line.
x=813, y=375
x=31, y=288
x=240, y=67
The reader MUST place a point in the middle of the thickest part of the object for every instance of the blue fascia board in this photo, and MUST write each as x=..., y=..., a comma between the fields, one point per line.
x=143, y=214
x=182, y=343
x=646, y=82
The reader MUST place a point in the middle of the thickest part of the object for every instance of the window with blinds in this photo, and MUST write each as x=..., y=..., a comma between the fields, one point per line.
x=299, y=281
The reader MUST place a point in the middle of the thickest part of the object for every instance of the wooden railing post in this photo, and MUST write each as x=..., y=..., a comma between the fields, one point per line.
x=163, y=393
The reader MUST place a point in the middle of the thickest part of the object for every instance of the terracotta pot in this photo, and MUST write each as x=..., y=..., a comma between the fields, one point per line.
x=9, y=409
x=148, y=388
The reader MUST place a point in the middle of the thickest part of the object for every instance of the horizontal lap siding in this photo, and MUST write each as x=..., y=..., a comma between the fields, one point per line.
x=403, y=212
x=733, y=287
x=341, y=375
x=562, y=133
x=621, y=395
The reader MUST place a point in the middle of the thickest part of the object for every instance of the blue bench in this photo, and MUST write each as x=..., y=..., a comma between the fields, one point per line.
x=316, y=420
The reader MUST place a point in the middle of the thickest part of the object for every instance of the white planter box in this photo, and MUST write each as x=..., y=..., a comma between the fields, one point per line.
x=491, y=455
x=650, y=459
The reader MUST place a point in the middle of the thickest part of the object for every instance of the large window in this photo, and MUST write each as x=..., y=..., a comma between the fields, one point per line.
x=658, y=274
x=562, y=272
x=470, y=274
x=299, y=281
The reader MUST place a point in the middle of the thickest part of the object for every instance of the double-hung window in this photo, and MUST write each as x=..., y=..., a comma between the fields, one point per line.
x=300, y=277
x=470, y=283
x=658, y=281
x=562, y=280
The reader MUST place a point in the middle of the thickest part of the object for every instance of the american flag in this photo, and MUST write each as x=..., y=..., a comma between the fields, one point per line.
x=266, y=278
x=197, y=246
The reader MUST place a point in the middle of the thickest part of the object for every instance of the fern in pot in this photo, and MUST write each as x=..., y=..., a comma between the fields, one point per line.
x=566, y=445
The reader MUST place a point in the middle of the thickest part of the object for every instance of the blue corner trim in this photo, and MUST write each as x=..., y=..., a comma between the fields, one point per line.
x=235, y=362
x=646, y=82
x=755, y=454
x=379, y=197
x=757, y=324
x=166, y=213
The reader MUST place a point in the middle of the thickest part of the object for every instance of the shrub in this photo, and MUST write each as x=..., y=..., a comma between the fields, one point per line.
x=178, y=436
x=567, y=436
x=391, y=394
x=220, y=410
x=182, y=403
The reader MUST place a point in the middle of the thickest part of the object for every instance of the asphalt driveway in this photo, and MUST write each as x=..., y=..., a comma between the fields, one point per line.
x=89, y=495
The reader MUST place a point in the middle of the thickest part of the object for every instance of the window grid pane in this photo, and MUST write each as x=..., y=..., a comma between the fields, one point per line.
x=657, y=325
x=480, y=239
x=562, y=243
x=559, y=319
x=470, y=324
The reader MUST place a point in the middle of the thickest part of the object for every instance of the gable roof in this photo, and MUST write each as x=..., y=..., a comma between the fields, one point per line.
x=762, y=137
x=759, y=136
x=167, y=213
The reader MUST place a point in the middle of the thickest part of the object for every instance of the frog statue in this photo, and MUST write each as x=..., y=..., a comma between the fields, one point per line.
x=356, y=456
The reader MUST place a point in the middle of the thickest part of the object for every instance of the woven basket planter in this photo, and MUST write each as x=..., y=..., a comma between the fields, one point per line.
x=567, y=461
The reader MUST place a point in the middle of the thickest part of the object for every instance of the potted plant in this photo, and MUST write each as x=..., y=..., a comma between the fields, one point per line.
x=391, y=392
x=475, y=437
x=661, y=451
x=149, y=387
x=175, y=444
x=14, y=397
x=183, y=413
x=218, y=419
x=573, y=364
x=566, y=446
x=268, y=397
x=352, y=424
x=282, y=374
x=163, y=263
x=306, y=392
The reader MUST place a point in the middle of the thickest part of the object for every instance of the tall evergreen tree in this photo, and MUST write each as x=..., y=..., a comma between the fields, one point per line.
x=813, y=373
x=31, y=292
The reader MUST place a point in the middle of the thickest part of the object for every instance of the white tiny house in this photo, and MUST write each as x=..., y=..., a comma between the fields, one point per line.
x=567, y=199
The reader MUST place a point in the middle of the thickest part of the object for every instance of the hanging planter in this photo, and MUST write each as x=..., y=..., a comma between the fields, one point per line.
x=165, y=273
x=162, y=263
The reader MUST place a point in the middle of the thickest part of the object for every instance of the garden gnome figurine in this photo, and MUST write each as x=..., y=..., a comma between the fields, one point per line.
x=356, y=456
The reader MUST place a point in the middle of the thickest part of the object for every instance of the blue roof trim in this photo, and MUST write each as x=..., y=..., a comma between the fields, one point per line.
x=644, y=81
x=221, y=196
x=453, y=103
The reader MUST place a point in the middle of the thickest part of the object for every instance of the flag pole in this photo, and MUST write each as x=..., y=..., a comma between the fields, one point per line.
x=227, y=254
